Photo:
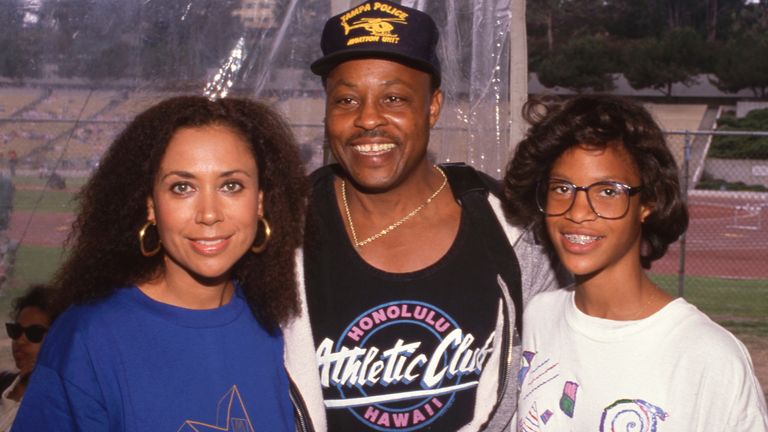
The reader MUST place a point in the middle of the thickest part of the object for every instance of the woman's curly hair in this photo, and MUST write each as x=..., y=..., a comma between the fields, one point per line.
x=598, y=120
x=104, y=244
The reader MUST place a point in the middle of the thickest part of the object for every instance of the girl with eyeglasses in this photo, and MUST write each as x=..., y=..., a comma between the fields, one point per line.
x=612, y=352
x=180, y=272
x=31, y=319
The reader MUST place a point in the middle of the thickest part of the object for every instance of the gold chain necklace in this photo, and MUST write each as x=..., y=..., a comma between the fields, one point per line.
x=645, y=306
x=390, y=228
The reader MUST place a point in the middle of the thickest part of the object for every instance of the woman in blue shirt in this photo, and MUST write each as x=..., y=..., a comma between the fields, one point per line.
x=181, y=269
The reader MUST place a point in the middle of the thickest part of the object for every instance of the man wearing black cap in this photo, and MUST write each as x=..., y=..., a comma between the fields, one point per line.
x=413, y=290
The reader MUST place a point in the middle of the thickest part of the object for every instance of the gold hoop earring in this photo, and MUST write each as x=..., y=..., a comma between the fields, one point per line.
x=142, y=232
x=267, y=234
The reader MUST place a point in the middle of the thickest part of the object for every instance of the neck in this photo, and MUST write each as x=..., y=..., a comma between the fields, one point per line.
x=17, y=392
x=189, y=292
x=397, y=199
x=628, y=297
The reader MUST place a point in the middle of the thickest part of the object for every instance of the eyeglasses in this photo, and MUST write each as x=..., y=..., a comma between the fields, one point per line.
x=608, y=199
x=34, y=333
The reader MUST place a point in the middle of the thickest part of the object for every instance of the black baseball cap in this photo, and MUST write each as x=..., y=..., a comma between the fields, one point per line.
x=380, y=29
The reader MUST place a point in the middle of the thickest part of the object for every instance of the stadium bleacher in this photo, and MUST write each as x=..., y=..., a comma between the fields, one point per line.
x=16, y=98
x=39, y=122
x=677, y=117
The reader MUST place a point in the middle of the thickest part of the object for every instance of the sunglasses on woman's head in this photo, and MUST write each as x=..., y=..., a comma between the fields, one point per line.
x=34, y=333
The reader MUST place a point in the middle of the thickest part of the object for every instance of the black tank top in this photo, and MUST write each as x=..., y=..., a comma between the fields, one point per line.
x=397, y=351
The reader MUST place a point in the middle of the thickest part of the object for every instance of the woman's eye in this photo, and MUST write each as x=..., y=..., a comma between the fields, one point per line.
x=610, y=192
x=560, y=189
x=232, y=187
x=181, y=188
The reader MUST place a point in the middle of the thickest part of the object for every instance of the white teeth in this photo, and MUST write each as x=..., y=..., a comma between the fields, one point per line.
x=580, y=238
x=209, y=242
x=374, y=148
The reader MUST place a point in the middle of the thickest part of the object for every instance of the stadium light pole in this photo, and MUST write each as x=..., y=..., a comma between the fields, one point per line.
x=518, y=73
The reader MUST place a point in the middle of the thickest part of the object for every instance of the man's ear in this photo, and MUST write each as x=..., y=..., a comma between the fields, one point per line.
x=435, y=106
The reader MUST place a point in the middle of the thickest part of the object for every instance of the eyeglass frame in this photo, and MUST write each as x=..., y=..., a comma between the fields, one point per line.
x=17, y=329
x=630, y=190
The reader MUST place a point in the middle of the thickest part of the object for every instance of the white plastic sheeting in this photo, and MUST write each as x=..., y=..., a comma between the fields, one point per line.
x=474, y=48
x=92, y=64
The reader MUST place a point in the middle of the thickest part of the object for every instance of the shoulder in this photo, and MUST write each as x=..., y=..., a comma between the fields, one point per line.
x=540, y=269
x=696, y=330
x=549, y=301
x=465, y=179
x=689, y=319
x=544, y=315
x=92, y=313
x=80, y=325
x=6, y=379
x=7, y=375
x=320, y=177
x=322, y=193
x=720, y=365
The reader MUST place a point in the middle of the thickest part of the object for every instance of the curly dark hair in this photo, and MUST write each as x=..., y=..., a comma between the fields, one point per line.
x=104, y=244
x=598, y=120
x=36, y=296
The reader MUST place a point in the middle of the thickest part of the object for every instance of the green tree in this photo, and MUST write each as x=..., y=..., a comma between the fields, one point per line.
x=582, y=64
x=64, y=20
x=750, y=21
x=552, y=23
x=743, y=64
x=108, y=49
x=181, y=41
x=19, y=41
x=169, y=40
x=541, y=16
x=634, y=19
x=89, y=38
x=719, y=17
x=659, y=63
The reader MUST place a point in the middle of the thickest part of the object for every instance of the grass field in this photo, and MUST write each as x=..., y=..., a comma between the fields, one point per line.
x=739, y=305
x=43, y=201
x=72, y=182
x=34, y=264
x=32, y=195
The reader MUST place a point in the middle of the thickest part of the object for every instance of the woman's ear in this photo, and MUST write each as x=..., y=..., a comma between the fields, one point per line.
x=646, y=210
x=150, y=209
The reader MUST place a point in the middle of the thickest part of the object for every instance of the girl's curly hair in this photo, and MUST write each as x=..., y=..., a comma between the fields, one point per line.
x=104, y=246
x=598, y=120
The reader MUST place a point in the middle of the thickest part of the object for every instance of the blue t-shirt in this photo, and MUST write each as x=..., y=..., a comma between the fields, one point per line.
x=129, y=363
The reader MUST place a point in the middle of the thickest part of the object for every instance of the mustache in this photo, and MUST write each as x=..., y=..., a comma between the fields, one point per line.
x=374, y=133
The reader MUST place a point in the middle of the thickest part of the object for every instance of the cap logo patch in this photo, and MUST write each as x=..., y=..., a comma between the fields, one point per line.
x=380, y=29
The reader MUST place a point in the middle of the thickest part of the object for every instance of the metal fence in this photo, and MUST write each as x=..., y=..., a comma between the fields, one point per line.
x=725, y=246
x=720, y=262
